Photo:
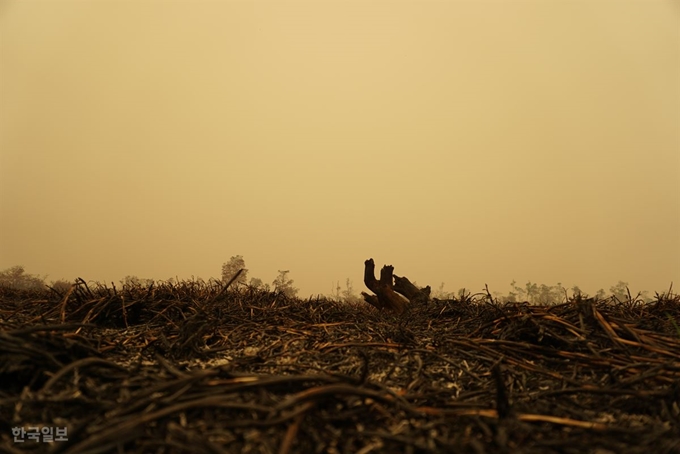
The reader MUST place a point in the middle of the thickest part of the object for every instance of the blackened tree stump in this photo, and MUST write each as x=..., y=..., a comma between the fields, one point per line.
x=394, y=297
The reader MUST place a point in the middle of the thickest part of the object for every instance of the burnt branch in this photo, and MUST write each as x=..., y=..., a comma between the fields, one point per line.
x=369, y=276
x=410, y=291
x=372, y=300
x=386, y=276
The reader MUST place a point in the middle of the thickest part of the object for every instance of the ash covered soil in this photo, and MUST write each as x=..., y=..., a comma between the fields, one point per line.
x=192, y=367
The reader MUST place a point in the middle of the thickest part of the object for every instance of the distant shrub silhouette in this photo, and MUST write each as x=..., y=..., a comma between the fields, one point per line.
x=17, y=278
x=284, y=285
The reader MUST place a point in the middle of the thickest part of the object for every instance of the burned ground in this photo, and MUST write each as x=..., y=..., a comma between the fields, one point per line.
x=190, y=367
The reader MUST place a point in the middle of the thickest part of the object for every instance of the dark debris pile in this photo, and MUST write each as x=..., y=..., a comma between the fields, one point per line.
x=192, y=367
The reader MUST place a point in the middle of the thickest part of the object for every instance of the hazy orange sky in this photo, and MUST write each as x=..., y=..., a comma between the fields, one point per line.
x=465, y=142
